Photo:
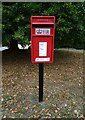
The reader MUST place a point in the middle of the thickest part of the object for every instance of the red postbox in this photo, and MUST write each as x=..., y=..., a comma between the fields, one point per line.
x=42, y=39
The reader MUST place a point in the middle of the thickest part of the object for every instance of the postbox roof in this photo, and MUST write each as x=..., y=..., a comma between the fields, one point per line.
x=43, y=19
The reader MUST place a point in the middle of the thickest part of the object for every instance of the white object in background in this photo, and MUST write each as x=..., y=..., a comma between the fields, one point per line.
x=3, y=48
x=20, y=47
x=42, y=48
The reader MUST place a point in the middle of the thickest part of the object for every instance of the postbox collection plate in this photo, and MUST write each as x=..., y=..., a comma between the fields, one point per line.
x=42, y=39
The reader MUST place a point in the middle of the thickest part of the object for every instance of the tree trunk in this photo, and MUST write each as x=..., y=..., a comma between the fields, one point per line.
x=13, y=45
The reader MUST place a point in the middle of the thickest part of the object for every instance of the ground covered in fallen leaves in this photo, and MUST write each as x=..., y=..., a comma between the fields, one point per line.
x=63, y=86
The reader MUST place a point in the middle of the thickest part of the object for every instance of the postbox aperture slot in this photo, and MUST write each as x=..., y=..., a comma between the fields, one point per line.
x=43, y=25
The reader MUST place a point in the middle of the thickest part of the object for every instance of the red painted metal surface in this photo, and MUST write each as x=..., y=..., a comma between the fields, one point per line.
x=42, y=39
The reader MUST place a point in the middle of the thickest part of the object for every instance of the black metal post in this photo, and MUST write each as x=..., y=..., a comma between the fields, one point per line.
x=41, y=82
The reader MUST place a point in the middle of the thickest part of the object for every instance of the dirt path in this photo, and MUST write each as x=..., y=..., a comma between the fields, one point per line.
x=71, y=50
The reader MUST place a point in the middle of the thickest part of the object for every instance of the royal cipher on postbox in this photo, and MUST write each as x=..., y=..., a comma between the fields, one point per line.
x=42, y=39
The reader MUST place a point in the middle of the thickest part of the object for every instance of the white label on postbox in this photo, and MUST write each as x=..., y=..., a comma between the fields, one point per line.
x=42, y=31
x=42, y=48
x=42, y=59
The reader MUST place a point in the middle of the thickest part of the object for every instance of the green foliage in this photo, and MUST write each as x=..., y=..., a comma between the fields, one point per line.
x=70, y=25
